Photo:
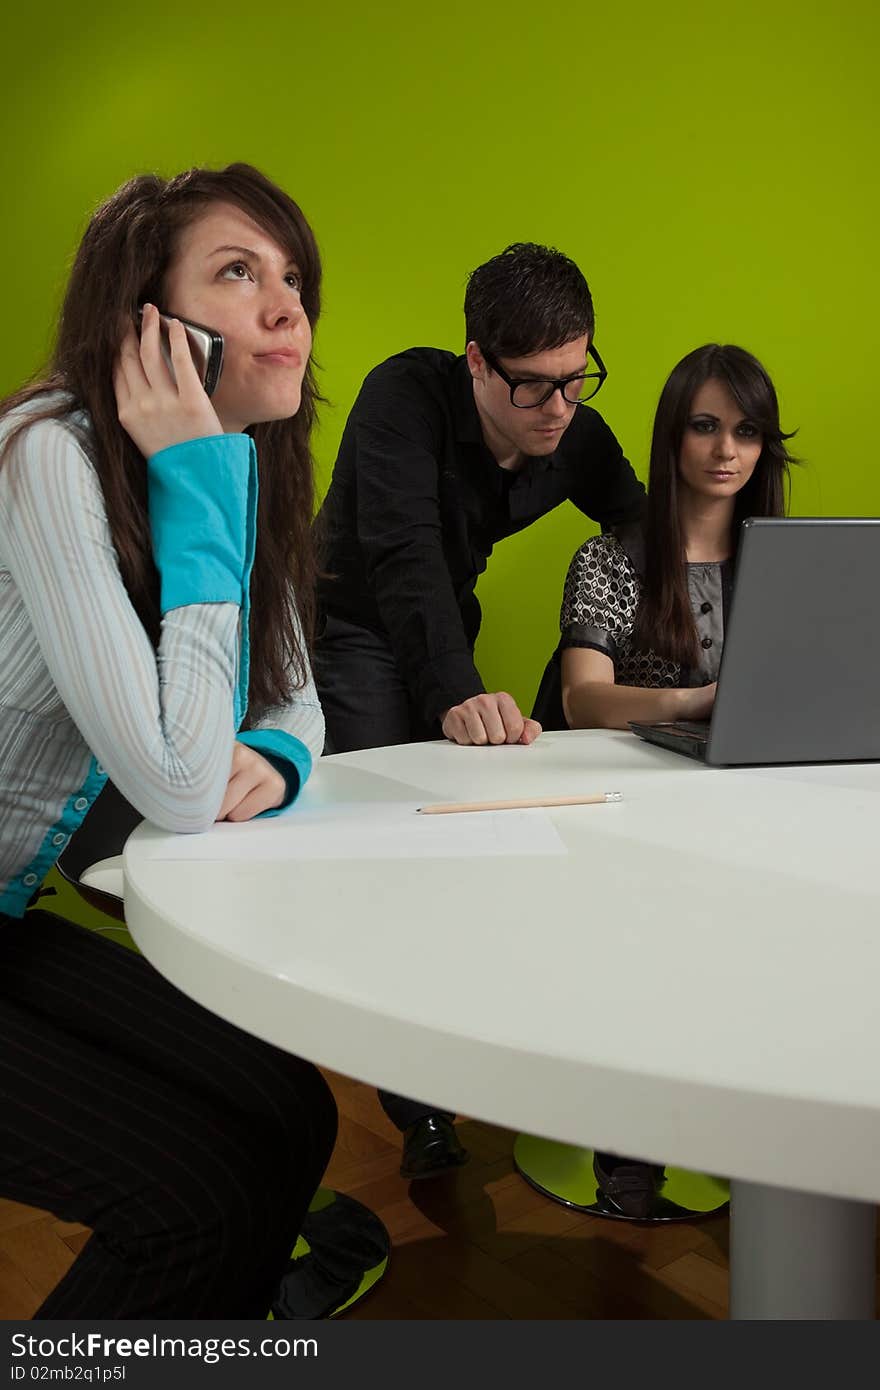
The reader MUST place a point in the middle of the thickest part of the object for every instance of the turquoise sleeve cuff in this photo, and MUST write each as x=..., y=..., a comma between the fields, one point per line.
x=281, y=748
x=203, y=508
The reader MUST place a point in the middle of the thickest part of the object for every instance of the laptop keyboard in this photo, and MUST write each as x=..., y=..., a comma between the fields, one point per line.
x=700, y=727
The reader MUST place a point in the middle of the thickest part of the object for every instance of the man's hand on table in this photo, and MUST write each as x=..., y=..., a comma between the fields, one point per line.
x=489, y=718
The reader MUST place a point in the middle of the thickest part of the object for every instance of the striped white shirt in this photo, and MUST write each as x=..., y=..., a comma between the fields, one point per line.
x=83, y=693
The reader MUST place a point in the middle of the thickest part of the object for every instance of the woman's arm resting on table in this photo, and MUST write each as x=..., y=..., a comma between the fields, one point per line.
x=287, y=739
x=160, y=722
x=591, y=700
x=300, y=716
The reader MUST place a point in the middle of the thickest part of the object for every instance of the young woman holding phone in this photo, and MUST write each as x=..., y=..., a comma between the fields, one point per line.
x=643, y=611
x=154, y=627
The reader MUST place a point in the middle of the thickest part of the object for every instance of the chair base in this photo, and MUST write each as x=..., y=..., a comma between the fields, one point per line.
x=341, y=1254
x=564, y=1173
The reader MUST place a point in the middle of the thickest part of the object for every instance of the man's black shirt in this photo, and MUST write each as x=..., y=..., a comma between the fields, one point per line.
x=417, y=502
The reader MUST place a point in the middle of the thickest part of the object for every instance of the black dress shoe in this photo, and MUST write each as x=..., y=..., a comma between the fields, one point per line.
x=626, y=1186
x=431, y=1146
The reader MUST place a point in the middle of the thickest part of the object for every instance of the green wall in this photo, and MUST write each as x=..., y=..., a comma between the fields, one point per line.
x=711, y=168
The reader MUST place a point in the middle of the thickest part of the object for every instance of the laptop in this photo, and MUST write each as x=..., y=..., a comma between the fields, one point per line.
x=799, y=680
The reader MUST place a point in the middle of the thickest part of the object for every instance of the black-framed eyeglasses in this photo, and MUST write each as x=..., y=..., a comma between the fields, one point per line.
x=526, y=392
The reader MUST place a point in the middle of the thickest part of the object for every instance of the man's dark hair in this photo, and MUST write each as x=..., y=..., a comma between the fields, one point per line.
x=528, y=299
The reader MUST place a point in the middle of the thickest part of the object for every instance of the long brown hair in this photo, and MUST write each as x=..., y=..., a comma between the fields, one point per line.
x=665, y=622
x=122, y=262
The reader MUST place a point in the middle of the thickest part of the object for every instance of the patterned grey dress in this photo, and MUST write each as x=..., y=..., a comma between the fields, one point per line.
x=601, y=601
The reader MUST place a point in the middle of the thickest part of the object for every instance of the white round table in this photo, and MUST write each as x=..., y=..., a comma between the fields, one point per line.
x=691, y=975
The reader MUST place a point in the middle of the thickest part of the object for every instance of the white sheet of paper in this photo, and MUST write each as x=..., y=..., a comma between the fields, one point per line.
x=392, y=831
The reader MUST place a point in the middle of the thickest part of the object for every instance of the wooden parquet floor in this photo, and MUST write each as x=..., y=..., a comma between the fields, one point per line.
x=480, y=1243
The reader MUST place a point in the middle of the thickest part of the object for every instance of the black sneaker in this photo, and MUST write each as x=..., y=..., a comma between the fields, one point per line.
x=626, y=1186
x=431, y=1146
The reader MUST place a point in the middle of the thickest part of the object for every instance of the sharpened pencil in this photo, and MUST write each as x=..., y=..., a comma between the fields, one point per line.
x=521, y=804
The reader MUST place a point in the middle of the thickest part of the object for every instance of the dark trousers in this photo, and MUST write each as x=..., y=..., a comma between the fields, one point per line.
x=190, y=1148
x=365, y=700
x=367, y=705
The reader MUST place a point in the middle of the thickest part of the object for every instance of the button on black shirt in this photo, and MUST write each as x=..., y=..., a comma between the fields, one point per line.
x=417, y=502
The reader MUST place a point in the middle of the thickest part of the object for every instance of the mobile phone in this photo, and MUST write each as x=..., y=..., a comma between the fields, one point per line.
x=205, y=344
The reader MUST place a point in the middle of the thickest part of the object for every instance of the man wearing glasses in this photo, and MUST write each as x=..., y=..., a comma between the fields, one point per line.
x=441, y=457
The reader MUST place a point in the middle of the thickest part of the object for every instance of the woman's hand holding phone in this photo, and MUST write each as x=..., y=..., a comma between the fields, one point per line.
x=155, y=408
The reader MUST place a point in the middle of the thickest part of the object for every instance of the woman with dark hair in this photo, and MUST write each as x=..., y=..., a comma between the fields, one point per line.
x=644, y=609
x=135, y=547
